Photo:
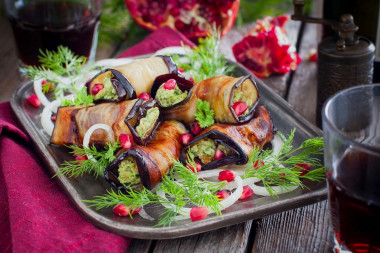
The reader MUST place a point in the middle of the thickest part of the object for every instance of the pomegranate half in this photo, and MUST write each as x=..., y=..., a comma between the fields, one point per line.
x=194, y=18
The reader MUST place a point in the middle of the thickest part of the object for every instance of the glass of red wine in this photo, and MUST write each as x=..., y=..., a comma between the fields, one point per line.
x=47, y=24
x=351, y=125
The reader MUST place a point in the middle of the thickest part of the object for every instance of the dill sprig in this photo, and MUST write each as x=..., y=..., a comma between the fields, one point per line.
x=77, y=168
x=80, y=98
x=280, y=169
x=205, y=60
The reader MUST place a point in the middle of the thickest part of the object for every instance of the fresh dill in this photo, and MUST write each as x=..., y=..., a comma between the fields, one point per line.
x=80, y=98
x=281, y=169
x=77, y=168
x=204, y=61
x=204, y=114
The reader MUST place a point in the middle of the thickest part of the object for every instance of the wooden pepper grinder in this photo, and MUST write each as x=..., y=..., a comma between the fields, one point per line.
x=344, y=60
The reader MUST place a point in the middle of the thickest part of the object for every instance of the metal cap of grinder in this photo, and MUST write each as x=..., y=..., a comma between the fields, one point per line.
x=344, y=60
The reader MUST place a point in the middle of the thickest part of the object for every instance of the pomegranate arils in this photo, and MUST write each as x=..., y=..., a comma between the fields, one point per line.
x=123, y=210
x=227, y=175
x=125, y=141
x=80, y=159
x=198, y=213
x=219, y=154
x=195, y=128
x=198, y=167
x=53, y=117
x=191, y=79
x=258, y=164
x=313, y=55
x=186, y=138
x=304, y=168
x=170, y=84
x=223, y=195
x=97, y=87
x=33, y=100
x=247, y=193
x=239, y=107
x=145, y=96
x=181, y=70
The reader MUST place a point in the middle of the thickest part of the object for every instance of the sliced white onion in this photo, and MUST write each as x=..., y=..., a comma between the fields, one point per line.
x=246, y=181
x=262, y=191
x=185, y=210
x=170, y=50
x=277, y=144
x=87, y=136
x=144, y=215
x=37, y=85
x=229, y=201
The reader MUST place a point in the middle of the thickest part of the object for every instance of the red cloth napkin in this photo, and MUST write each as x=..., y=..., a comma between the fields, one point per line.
x=35, y=215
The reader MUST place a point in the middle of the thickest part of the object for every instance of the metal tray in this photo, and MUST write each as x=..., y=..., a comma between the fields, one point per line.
x=86, y=186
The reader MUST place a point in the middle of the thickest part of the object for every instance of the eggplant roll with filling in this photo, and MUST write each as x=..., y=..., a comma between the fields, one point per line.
x=235, y=142
x=222, y=92
x=147, y=165
x=128, y=81
x=137, y=117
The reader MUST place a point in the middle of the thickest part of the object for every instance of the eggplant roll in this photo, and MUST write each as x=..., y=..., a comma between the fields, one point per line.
x=128, y=81
x=147, y=165
x=137, y=117
x=235, y=142
x=222, y=92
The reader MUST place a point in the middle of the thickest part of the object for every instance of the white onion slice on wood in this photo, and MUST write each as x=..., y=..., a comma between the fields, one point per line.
x=91, y=130
x=229, y=201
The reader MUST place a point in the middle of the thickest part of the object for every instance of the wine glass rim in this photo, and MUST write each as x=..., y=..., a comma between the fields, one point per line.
x=331, y=125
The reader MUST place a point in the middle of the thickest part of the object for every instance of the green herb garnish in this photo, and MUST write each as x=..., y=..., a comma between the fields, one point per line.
x=280, y=169
x=79, y=167
x=205, y=60
x=81, y=98
x=204, y=114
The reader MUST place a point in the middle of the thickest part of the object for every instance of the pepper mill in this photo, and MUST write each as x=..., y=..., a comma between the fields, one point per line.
x=344, y=60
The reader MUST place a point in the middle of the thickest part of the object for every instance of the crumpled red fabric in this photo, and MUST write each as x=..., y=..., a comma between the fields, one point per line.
x=35, y=215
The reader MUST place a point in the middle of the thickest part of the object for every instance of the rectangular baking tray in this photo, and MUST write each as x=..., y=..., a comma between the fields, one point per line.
x=86, y=187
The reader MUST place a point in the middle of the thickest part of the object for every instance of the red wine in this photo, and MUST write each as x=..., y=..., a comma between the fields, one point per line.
x=46, y=25
x=354, y=198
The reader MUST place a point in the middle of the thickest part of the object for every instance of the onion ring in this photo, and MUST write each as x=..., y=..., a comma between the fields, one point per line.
x=90, y=131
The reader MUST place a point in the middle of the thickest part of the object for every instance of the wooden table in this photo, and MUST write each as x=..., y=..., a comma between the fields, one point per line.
x=303, y=230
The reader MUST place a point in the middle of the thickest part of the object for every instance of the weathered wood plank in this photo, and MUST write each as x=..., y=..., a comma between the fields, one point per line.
x=303, y=90
x=303, y=229
x=230, y=239
x=140, y=246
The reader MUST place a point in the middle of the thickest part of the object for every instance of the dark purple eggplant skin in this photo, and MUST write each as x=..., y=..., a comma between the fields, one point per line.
x=238, y=156
x=172, y=67
x=249, y=116
x=111, y=173
x=119, y=82
x=139, y=110
x=182, y=83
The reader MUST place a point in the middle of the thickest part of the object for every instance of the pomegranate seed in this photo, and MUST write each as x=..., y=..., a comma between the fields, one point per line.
x=247, y=193
x=80, y=159
x=33, y=100
x=198, y=213
x=137, y=210
x=53, y=117
x=97, y=87
x=170, y=84
x=313, y=55
x=304, y=168
x=198, y=167
x=227, y=175
x=282, y=174
x=195, y=128
x=125, y=141
x=145, y=96
x=219, y=154
x=239, y=107
x=123, y=210
x=258, y=164
x=223, y=195
x=191, y=79
x=186, y=138
x=46, y=82
x=181, y=70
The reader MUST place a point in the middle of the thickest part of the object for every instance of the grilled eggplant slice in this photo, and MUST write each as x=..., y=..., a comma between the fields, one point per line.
x=128, y=81
x=220, y=91
x=236, y=141
x=147, y=164
x=124, y=118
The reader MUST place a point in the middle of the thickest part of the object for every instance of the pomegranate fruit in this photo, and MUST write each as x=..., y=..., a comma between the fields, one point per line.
x=170, y=84
x=186, y=138
x=97, y=87
x=145, y=96
x=126, y=141
x=198, y=213
x=195, y=128
x=33, y=100
x=194, y=18
x=304, y=168
x=239, y=107
x=227, y=175
x=123, y=210
x=223, y=195
x=219, y=154
x=198, y=167
x=266, y=48
x=247, y=193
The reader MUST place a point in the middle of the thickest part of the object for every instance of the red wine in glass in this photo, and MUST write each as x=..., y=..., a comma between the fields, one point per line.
x=46, y=25
x=355, y=201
